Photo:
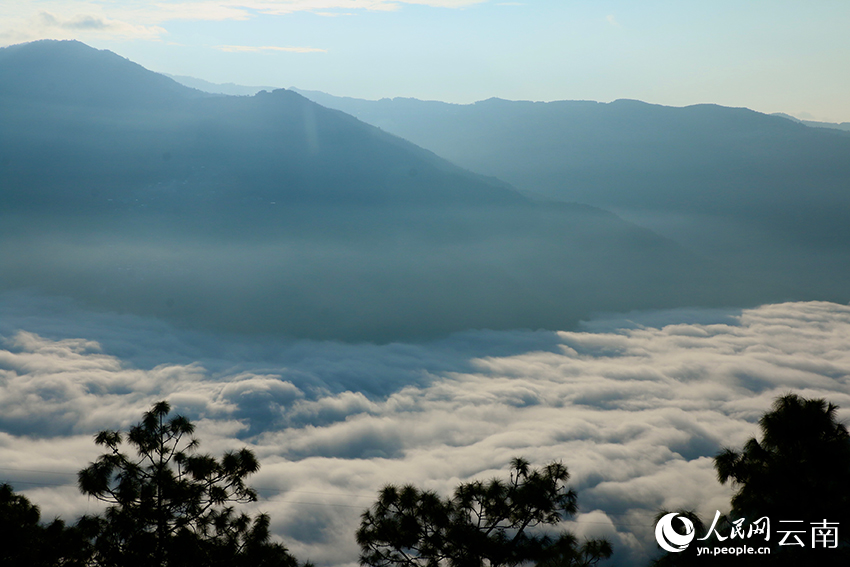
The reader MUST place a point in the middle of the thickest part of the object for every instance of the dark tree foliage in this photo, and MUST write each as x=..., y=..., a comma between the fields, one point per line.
x=485, y=523
x=799, y=470
x=25, y=542
x=171, y=506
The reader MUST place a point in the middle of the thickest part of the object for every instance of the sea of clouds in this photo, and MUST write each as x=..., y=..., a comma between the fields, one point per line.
x=636, y=408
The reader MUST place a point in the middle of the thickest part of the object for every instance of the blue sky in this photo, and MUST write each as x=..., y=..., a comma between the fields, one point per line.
x=772, y=56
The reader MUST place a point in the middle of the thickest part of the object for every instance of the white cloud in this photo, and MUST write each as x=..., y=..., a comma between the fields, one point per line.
x=636, y=414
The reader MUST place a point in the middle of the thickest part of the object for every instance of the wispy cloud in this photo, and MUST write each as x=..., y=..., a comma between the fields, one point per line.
x=27, y=20
x=220, y=9
x=256, y=49
x=26, y=26
x=442, y=3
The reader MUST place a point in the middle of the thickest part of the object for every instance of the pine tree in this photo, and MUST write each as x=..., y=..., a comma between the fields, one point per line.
x=169, y=505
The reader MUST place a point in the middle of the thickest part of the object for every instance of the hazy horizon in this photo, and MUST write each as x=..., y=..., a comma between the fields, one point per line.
x=466, y=50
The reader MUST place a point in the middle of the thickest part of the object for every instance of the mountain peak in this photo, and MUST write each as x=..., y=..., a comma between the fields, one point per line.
x=71, y=72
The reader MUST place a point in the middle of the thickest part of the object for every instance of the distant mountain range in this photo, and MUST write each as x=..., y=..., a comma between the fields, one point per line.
x=332, y=101
x=231, y=89
x=815, y=123
x=755, y=193
x=633, y=156
x=271, y=213
x=629, y=155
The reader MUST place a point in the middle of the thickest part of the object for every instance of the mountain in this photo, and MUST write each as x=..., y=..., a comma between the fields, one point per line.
x=122, y=132
x=70, y=72
x=628, y=154
x=271, y=214
x=231, y=89
x=845, y=126
x=755, y=193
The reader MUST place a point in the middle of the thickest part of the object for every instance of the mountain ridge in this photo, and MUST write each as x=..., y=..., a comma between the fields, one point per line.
x=273, y=214
x=631, y=155
x=176, y=123
x=66, y=64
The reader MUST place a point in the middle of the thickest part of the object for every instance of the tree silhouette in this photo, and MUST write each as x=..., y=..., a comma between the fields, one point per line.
x=26, y=542
x=171, y=506
x=485, y=523
x=799, y=470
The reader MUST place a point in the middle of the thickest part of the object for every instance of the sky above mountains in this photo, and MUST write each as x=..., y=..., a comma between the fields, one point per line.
x=768, y=56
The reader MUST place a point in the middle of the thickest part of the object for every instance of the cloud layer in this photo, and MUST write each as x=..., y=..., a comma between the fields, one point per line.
x=636, y=413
